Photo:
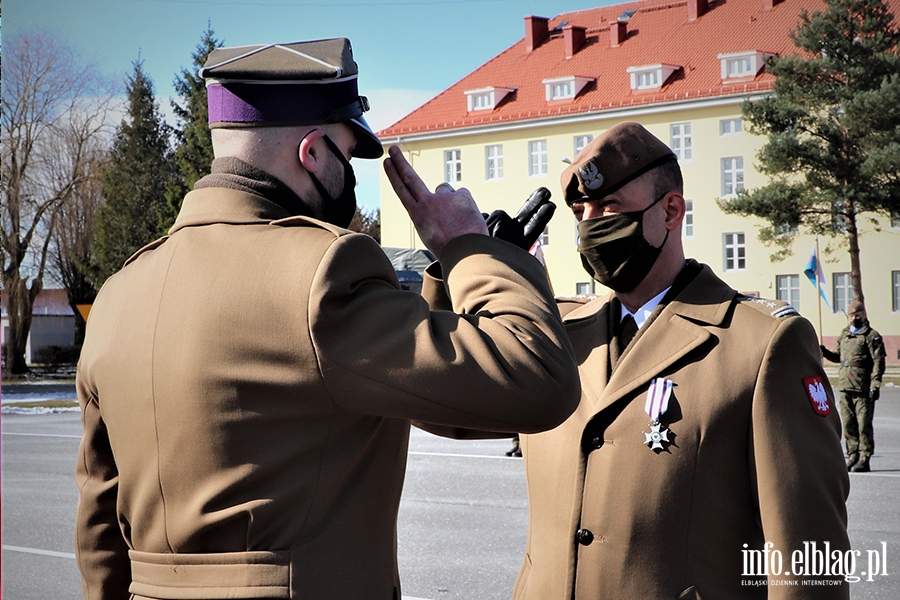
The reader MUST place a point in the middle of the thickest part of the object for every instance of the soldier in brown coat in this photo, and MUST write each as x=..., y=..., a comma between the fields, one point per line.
x=705, y=451
x=247, y=382
x=703, y=435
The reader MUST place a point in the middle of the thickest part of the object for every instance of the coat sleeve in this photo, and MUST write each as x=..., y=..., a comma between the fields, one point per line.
x=800, y=476
x=99, y=544
x=500, y=361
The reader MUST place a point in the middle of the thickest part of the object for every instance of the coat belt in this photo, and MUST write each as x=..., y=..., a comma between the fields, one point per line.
x=210, y=576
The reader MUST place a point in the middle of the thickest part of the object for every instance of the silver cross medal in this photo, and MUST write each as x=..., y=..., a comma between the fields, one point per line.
x=657, y=403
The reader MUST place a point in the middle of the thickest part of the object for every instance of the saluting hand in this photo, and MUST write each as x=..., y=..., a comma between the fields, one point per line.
x=438, y=216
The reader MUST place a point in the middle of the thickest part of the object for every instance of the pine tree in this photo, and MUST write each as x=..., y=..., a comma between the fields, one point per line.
x=134, y=181
x=193, y=151
x=833, y=130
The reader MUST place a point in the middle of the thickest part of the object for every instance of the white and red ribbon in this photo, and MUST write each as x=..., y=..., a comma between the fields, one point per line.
x=658, y=398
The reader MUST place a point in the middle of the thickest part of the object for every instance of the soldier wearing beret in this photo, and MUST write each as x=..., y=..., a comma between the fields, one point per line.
x=706, y=431
x=247, y=382
x=860, y=350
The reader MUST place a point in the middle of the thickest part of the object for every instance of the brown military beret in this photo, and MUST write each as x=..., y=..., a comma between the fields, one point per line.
x=299, y=83
x=856, y=306
x=623, y=153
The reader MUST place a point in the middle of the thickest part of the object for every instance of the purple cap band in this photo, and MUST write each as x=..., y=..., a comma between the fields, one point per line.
x=278, y=103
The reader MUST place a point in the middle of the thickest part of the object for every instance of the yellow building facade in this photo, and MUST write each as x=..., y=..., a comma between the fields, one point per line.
x=502, y=162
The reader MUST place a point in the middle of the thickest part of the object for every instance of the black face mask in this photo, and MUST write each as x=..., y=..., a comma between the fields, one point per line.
x=338, y=211
x=857, y=323
x=613, y=249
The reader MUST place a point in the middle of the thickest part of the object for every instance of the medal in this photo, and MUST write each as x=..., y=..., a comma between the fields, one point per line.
x=657, y=403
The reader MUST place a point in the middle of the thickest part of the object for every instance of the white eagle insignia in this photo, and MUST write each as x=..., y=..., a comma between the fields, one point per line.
x=590, y=176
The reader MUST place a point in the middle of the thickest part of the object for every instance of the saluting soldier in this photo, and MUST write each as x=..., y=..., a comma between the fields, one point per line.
x=706, y=432
x=247, y=382
x=860, y=350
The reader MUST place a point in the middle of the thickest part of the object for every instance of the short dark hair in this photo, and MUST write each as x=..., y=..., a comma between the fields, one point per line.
x=667, y=178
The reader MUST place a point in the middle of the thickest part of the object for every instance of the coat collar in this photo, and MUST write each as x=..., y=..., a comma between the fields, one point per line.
x=206, y=206
x=678, y=329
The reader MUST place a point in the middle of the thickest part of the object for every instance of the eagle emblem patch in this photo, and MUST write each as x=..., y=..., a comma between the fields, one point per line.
x=591, y=177
x=818, y=397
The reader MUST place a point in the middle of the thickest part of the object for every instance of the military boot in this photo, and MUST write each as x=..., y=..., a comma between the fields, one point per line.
x=852, y=460
x=862, y=466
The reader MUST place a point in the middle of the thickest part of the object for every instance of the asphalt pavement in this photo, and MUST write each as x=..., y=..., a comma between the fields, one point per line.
x=462, y=522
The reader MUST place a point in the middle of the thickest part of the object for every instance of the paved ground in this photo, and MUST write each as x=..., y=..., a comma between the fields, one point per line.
x=462, y=518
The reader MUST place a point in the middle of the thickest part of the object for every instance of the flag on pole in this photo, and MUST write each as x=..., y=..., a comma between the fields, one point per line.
x=813, y=267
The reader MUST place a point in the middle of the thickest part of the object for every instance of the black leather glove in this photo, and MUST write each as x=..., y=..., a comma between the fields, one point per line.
x=528, y=224
x=875, y=394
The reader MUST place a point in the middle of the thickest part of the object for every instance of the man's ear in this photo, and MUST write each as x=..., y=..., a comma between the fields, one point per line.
x=675, y=208
x=309, y=153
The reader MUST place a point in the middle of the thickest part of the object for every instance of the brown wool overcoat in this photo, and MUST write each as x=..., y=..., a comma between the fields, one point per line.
x=247, y=385
x=752, y=461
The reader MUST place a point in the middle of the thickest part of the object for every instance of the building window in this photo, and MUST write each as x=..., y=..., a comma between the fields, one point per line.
x=486, y=98
x=738, y=65
x=842, y=292
x=895, y=287
x=482, y=101
x=730, y=126
x=493, y=162
x=687, y=232
x=648, y=77
x=681, y=141
x=787, y=289
x=584, y=289
x=452, y=166
x=732, y=175
x=581, y=141
x=564, y=88
x=734, y=251
x=545, y=237
x=537, y=158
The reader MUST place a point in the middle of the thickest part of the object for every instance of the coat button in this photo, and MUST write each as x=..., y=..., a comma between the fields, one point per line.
x=584, y=537
x=596, y=443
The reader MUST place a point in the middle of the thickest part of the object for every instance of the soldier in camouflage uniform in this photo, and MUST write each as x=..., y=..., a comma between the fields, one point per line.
x=860, y=350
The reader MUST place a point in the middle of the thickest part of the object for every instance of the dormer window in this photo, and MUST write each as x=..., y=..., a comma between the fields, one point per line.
x=486, y=98
x=741, y=65
x=564, y=88
x=650, y=77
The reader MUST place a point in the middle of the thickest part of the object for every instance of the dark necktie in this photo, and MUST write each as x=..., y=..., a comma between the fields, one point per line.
x=627, y=329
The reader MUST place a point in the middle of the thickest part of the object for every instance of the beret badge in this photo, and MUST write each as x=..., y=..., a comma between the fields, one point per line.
x=591, y=176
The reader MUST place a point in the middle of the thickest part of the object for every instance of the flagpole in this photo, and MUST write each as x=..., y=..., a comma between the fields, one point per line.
x=819, y=290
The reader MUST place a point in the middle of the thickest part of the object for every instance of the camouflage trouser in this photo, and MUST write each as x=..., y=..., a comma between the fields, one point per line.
x=857, y=412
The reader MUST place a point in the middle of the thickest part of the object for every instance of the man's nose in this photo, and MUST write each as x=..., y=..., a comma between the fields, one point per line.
x=591, y=211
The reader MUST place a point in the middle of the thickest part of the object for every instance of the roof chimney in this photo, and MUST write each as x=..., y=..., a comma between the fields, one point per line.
x=574, y=37
x=618, y=31
x=536, y=31
x=770, y=4
x=697, y=8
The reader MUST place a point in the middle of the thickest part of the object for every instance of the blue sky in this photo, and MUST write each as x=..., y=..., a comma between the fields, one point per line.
x=407, y=50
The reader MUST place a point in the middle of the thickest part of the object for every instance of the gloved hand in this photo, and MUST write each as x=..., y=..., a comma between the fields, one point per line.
x=875, y=393
x=529, y=223
x=822, y=349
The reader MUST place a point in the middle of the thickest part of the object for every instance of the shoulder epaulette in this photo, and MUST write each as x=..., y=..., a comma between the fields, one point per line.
x=775, y=308
x=151, y=246
x=300, y=221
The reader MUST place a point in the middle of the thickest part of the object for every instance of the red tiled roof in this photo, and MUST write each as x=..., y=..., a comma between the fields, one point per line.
x=658, y=32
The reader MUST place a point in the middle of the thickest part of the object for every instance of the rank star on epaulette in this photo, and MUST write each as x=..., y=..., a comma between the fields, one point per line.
x=656, y=436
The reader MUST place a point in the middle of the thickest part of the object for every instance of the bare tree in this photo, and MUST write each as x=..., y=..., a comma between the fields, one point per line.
x=72, y=244
x=54, y=115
